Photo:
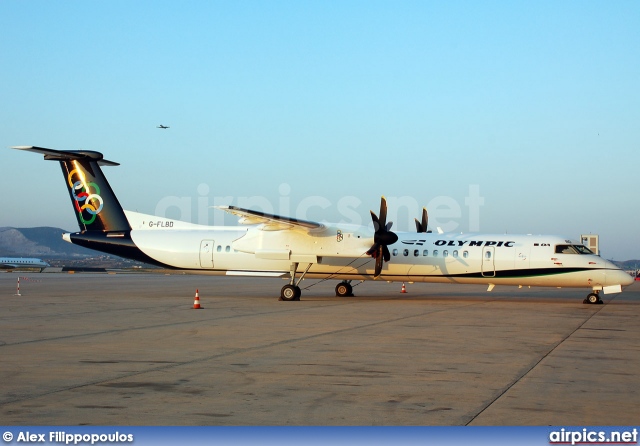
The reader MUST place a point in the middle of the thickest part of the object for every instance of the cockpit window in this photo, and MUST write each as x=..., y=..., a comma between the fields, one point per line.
x=583, y=249
x=572, y=249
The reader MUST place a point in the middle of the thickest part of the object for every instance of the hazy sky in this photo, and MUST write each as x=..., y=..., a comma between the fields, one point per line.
x=500, y=116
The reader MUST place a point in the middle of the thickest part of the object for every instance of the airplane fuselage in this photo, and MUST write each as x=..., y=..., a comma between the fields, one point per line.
x=22, y=262
x=338, y=252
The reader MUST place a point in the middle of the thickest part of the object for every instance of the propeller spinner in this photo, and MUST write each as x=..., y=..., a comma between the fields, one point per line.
x=381, y=238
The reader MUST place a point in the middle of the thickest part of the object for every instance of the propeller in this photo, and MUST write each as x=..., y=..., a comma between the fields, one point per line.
x=422, y=226
x=381, y=238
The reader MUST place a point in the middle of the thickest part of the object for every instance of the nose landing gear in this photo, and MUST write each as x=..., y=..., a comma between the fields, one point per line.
x=593, y=298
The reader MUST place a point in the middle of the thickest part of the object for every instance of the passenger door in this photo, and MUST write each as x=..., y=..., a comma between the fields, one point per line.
x=206, y=253
x=488, y=261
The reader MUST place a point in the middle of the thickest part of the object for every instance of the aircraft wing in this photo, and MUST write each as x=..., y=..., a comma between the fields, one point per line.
x=271, y=222
x=8, y=265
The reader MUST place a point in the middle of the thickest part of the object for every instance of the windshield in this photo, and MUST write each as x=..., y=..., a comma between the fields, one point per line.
x=572, y=249
x=583, y=249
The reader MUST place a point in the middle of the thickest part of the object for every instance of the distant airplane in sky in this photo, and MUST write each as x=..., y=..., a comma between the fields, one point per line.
x=162, y=126
x=22, y=262
x=289, y=248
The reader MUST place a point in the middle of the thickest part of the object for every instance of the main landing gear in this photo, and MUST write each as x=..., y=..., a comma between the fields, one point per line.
x=292, y=291
x=593, y=298
x=344, y=289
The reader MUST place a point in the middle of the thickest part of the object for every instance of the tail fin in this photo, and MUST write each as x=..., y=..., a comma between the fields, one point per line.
x=95, y=205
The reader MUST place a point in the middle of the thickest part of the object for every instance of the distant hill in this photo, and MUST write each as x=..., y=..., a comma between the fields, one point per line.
x=42, y=242
x=628, y=265
x=46, y=243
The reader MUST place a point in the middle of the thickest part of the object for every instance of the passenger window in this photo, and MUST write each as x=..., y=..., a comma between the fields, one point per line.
x=425, y=252
x=219, y=248
x=227, y=249
x=405, y=252
x=435, y=253
x=455, y=254
x=445, y=253
x=487, y=255
x=395, y=252
x=465, y=254
x=416, y=252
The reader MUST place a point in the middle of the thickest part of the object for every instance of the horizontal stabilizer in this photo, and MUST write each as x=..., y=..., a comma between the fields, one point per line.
x=67, y=155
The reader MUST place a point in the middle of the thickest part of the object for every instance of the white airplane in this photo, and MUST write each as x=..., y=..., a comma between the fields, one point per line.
x=276, y=246
x=22, y=262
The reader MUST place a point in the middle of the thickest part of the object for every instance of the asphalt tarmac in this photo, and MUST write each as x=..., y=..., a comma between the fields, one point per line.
x=129, y=349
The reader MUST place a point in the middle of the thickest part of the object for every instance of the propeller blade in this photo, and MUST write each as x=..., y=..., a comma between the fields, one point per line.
x=389, y=226
x=422, y=226
x=383, y=211
x=378, y=270
x=376, y=222
x=425, y=219
x=386, y=255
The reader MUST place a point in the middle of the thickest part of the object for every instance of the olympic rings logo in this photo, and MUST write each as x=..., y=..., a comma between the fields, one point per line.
x=87, y=197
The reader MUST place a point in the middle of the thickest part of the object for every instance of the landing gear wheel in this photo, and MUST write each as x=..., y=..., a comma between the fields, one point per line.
x=593, y=298
x=344, y=289
x=290, y=292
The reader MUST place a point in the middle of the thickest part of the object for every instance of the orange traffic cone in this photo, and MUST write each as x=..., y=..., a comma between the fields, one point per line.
x=196, y=303
x=404, y=288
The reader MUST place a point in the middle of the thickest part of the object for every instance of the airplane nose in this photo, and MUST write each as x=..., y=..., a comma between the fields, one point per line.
x=615, y=276
x=619, y=277
x=626, y=279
